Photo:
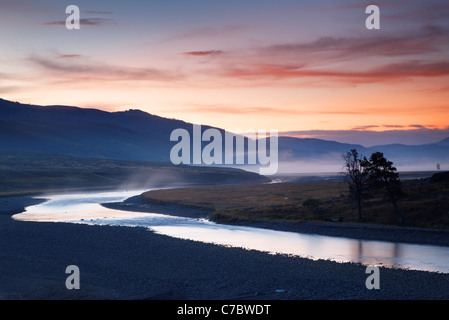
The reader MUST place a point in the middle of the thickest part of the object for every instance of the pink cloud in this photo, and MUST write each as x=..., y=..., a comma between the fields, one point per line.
x=204, y=53
x=428, y=39
x=381, y=73
x=75, y=67
x=208, y=32
x=83, y=22
x=68, y=56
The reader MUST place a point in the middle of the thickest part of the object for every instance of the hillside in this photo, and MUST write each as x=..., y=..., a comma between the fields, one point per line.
x=129, y=135
x=31, y=173
x=137, y=135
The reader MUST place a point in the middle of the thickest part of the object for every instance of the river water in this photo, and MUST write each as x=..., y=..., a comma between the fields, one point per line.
x=86, y=208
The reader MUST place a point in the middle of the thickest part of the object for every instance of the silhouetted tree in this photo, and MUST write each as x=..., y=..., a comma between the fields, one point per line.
x=356, y=176
x=381, y=172
x=438, y=166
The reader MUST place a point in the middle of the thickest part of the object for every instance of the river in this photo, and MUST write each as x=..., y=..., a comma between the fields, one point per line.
x=86, y=208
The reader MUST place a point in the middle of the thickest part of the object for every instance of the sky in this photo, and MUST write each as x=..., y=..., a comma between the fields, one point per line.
x=305, y=68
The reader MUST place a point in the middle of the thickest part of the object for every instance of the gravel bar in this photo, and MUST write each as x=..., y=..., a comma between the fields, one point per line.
x=135, y=263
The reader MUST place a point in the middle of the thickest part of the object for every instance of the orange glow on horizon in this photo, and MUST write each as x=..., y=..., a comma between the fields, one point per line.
x=307, y=68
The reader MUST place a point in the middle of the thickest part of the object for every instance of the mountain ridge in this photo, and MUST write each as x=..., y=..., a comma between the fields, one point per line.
x=137, y=135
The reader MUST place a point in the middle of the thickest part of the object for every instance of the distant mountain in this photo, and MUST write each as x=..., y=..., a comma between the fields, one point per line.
x=416, y=153
x=128, y=135
x=328, y=154
x=300, y=148
x=444, y=142
x=137, y=135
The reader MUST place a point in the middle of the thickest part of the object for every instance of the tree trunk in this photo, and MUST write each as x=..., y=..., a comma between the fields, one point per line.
x=398, y=210
x=359, y=206
x=395, y=205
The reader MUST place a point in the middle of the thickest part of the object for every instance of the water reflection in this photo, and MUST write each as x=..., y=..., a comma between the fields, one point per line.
x=399, y=255
x=85, y=208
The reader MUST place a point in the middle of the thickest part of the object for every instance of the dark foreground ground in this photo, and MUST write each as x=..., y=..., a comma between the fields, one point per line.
x=134, y=263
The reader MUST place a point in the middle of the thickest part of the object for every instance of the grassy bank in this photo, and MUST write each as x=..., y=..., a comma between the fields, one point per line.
x=425, y=203
x=24, y=173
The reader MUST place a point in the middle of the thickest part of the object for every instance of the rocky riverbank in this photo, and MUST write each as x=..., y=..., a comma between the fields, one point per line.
x=135, y=263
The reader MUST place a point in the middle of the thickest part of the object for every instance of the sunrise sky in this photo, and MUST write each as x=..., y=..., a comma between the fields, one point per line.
x=298, y=66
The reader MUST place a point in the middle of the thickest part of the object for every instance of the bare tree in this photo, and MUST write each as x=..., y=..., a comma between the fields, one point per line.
x=356, y=176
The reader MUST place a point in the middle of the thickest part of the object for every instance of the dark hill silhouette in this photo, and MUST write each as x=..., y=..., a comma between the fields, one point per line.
x=128, y=135
x=444, y=142
x=137, y=135
x=308, y=148
x=410, y=153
